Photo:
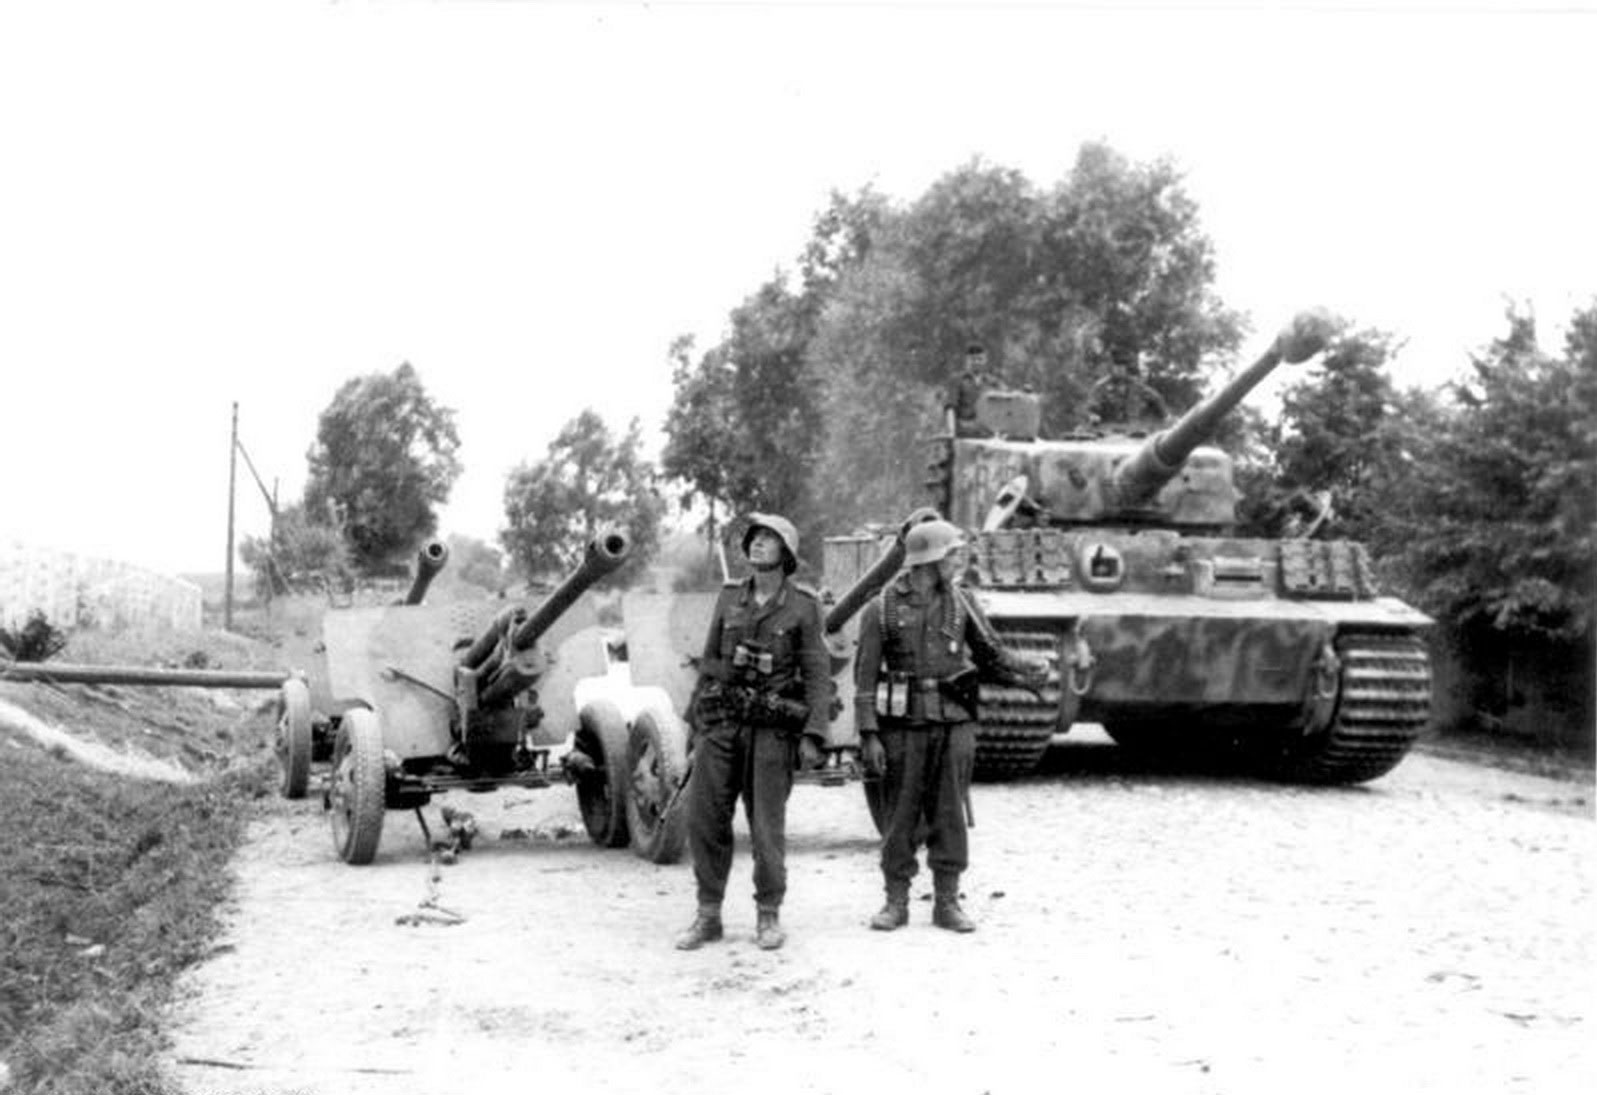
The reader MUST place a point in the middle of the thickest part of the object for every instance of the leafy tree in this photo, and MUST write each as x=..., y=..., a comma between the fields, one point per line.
x=745, y=420
x=587, y=480
x=1337, y=438
x=1108, y=270
x=476, y=563
x=383, y=459
x=1495, y=520
x=299, y=555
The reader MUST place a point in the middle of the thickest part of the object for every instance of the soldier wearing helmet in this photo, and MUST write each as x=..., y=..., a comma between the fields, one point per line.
x=922, y=647
x=760, y=710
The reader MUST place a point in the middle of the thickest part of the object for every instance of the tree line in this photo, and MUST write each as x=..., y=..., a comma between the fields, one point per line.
x=1478, y=498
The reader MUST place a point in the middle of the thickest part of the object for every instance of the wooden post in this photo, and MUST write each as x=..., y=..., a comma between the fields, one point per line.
x=232, y=474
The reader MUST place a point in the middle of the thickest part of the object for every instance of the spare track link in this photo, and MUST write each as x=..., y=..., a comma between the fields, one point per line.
x=1383, y=707
x=1014, y=728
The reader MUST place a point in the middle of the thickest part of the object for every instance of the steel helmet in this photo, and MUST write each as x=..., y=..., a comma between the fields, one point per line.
x=785, y=532
x=930, y=541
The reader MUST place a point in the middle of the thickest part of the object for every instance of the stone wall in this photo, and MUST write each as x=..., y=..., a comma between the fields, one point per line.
x=79, y=591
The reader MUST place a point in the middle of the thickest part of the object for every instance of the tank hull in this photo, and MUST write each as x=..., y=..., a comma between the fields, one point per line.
x=1172, y=641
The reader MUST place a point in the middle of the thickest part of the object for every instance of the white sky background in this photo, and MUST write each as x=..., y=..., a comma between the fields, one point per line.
x=216, y=202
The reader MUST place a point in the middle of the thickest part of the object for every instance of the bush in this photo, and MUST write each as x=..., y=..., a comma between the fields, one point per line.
x=35, y=641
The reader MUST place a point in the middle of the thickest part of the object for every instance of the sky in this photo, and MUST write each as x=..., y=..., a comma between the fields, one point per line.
x=218, y=203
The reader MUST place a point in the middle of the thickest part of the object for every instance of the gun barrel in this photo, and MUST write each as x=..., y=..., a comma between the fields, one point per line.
x=430, y=561
x=604, y=553
x=1161, y=456
x=65, y=673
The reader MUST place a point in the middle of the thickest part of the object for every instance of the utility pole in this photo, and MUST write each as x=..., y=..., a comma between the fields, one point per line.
x=232, y=474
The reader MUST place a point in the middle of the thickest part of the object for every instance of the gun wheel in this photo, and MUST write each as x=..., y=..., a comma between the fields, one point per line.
x=293, y=744
x=602, y=791
x=657, y=760
x=355, y=790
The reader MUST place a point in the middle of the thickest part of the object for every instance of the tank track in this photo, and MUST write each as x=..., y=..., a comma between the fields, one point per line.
x=1383, y=707
x=1014, y=727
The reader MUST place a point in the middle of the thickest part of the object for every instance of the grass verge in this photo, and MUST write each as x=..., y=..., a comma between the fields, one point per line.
x=111, y=888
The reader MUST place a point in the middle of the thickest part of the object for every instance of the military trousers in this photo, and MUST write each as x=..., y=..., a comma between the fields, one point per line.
x=732, y=760
x=928, y=775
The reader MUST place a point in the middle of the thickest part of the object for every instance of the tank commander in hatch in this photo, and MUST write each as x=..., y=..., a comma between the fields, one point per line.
x=760, y=709
x=923, y=646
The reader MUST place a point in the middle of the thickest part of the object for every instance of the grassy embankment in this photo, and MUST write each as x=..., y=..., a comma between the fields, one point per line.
x=111, y=885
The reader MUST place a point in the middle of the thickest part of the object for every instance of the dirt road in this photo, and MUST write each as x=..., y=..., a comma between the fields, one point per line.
x=1140, y=931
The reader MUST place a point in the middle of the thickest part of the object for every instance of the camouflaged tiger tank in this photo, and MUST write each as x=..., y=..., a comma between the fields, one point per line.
x=1112, y=551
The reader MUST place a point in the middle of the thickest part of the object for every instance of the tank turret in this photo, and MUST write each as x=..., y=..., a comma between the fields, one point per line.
x=1160, y=458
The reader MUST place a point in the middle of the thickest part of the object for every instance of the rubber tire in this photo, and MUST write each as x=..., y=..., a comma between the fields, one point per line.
x=293, y=743
x=657, y=761
x=356, y=788
x=602, y=794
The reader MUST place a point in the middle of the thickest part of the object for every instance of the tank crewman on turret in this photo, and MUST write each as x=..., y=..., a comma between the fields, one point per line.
x=968, y=388
x=922, y=647
x=761, y=708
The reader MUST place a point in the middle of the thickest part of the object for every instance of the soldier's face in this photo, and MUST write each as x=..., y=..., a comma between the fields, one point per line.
x=765, y=549
x=952, y=565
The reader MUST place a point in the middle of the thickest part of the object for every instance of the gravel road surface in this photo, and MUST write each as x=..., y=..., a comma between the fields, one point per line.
x=1140, y=930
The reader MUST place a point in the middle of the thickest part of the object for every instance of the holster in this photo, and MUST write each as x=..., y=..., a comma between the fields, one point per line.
x=964, y=688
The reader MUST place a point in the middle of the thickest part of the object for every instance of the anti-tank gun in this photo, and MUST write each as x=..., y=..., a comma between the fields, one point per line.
x=438, y=699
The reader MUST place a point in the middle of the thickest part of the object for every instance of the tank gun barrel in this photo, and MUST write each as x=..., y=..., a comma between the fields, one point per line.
x=430, y=562
x=1153, y=465
x=880, y=573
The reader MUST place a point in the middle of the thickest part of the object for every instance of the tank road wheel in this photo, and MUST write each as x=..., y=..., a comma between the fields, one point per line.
x=1383, y=705
x=293, y=743
x=657, y=761
x=355, y=791
x=1015, y=727
x=602, y=790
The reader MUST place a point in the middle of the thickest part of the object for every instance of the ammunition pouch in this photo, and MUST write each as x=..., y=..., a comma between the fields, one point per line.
x=720, y=701
x=927, y=699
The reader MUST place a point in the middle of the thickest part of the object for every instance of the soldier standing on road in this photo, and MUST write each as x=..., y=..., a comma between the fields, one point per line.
x=922, y=647
x=761, y=708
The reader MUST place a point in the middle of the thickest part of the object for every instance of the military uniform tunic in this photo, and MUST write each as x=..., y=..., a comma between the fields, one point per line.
x=734, y=756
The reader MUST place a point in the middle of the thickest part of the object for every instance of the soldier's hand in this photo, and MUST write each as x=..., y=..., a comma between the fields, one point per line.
x=810, y=755
x=872, y=753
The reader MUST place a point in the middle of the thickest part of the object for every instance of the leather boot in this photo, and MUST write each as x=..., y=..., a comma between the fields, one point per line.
x=895, y=913
x=706, y=928
x=768, y=933
x=946, y=912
